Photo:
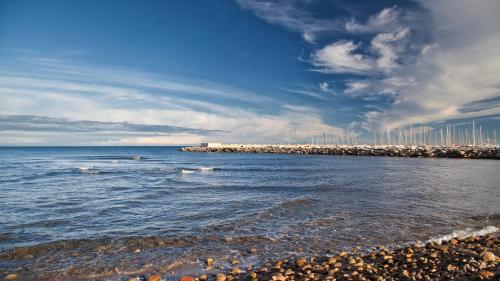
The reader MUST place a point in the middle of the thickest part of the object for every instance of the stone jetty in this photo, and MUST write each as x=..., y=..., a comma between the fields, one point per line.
x=473, y=152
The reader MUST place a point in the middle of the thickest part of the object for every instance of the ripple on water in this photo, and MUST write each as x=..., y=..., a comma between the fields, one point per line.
x=225, y=204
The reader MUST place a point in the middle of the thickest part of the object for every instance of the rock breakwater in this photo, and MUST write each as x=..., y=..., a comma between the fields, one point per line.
x=476, y=152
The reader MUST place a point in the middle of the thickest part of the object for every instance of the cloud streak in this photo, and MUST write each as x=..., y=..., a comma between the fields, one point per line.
x=294, y=16
x=130, y=107
x=33, y=123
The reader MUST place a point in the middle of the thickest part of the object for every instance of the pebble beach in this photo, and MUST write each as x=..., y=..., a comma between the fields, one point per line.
x=470, y=258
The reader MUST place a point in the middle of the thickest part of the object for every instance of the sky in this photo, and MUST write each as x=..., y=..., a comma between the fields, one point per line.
x=240, y=71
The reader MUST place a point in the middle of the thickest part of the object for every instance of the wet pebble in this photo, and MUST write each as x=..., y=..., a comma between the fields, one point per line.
x=186, y=278
x=220, y=277
x=488, y=256
x=155, y=277
x=11, y=277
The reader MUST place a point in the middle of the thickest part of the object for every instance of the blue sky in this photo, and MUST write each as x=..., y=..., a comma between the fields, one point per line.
x=181, y=72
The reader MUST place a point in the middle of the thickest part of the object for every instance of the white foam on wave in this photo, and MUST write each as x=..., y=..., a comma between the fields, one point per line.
x=207, y=169
x=85, y=168
x=186, y=171
x=115, y=161
x=465, y=233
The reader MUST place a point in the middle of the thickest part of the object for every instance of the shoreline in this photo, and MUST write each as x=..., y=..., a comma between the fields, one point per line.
x=425, y=151
x=471, y=257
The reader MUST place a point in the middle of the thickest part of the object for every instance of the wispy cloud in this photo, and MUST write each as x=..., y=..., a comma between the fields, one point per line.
x=412, y=63
x=293, y=15
x=341, y=57
x=33, y=123
x=123, y=106
x=453, y=76
x=386, y=20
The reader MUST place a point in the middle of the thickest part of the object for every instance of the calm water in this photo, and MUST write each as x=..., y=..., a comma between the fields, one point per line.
x=94, y=209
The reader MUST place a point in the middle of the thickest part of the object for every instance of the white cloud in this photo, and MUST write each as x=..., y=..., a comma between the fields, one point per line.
x=458, y=68
x=287, y=13
x=340, y=57
x=356, y=86
x=324, y=86
x=308, y=93
x=345, y=56
x=114, y=96
x=388, y=45
x=383, y=21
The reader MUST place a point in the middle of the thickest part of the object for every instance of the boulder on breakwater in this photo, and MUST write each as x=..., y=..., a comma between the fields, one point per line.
x=473, y=152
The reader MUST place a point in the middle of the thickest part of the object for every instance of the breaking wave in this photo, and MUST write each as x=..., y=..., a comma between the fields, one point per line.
x=465, y=233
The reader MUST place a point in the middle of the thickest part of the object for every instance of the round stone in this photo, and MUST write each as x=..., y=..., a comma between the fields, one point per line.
x=220, y=277
x=155, y=277
x=186, y=278
x=488, y=256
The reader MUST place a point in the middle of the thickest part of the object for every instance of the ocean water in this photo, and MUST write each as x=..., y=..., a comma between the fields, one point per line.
x=95, y=212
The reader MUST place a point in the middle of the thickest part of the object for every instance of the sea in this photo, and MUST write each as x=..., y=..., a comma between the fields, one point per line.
x=106, y=213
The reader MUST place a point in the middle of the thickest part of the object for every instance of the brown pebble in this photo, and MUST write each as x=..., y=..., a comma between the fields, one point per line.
x=11, y=277
x=155, y=277
x=28, y=257
x=236, y=271
x=280, y=277
x=451, y=267
x=486, y=274
x=300, y=262
x=488, y=256
x=186, y=278
x=220, y=277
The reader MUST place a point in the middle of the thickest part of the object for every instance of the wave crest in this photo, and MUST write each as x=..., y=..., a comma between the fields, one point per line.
x=465, y=233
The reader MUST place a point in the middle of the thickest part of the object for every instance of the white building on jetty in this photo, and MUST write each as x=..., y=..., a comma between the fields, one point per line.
x=211, y=144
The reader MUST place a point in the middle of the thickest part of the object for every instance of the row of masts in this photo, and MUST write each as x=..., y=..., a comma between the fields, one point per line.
x=446, y=135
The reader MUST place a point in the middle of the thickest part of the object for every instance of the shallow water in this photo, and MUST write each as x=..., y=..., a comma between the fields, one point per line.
x=103, y=210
